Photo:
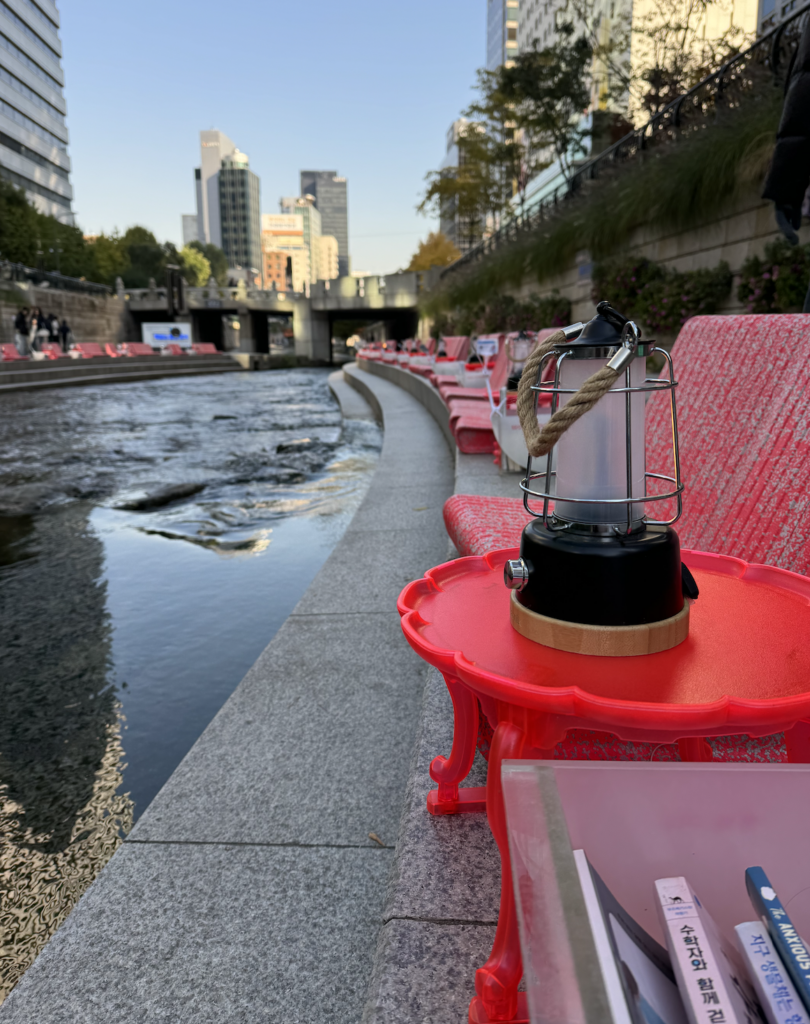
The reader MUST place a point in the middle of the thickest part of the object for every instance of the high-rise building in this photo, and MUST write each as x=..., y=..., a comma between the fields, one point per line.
x=458, y=228
x=503, y=23
x=240, y=214
x=33, y=134
x=190, y=229
x=538, y=23
x=331, y=200
x=283, y=246
x=304, y=206
x=214, y=148
x=327, y=260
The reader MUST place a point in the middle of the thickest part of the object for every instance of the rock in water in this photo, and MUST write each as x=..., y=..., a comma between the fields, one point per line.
x=165, y=496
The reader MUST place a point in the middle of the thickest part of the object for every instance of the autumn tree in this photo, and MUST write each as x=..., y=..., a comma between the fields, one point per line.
x=436, y=251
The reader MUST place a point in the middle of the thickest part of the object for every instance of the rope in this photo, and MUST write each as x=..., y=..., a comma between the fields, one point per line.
x=541, y=441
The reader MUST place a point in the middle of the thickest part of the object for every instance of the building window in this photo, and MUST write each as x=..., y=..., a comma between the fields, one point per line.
x=511, y=35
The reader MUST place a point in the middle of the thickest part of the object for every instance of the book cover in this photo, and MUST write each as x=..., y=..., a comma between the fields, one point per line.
x=777, y=995
x=638, y=975
x=710, y=974
x=790, y=946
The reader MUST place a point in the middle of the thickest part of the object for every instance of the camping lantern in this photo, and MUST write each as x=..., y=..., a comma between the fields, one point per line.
x=597, y=574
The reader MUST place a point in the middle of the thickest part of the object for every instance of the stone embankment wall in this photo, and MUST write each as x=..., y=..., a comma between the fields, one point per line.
x=738, y=232
x=91, y=317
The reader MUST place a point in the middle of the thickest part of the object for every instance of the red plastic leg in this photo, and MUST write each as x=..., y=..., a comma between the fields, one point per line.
x=449, y=771
x=497, y=981
x=797, y=741
x=695, y=748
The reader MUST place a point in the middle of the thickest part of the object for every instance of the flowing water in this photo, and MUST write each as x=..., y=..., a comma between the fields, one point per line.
x=153, y=537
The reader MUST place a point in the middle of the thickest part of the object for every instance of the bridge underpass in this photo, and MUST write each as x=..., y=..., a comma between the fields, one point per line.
x=214, y=312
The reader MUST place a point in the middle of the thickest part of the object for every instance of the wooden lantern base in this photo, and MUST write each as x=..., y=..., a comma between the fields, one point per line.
x=607, y=641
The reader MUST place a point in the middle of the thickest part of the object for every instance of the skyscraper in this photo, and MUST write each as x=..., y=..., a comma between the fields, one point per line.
x=331, y=200
x=214, y=148
x=33, y=135
x=240, y=213
x=503, y=20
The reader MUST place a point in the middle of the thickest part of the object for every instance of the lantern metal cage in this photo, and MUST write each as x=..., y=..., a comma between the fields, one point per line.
x=551, y=519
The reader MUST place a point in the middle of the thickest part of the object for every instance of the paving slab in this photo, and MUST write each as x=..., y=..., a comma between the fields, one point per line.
x=352, y=404
x=207, y=934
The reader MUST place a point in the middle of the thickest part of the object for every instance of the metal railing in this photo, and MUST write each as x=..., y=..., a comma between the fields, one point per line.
x=19, y=272
x=765, y=61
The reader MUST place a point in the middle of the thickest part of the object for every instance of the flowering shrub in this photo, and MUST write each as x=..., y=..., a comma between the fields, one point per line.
x=662, y=300
x=777, y=283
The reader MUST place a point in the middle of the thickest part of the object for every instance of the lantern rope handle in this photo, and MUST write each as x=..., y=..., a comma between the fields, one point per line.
x=540, y=441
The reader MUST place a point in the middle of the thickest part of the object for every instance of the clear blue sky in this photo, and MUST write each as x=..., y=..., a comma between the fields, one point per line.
x=367, y=88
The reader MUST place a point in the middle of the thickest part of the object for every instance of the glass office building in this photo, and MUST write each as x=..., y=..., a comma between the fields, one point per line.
x=331, y=199
x=503, y=21
x=33, y=133
x=240, y=213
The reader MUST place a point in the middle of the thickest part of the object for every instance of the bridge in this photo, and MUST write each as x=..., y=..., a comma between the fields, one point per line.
x=391, y=299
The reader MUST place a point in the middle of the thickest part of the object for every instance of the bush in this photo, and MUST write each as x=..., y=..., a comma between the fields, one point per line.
x=662, y=300
x=777, y=283
x=506, y=313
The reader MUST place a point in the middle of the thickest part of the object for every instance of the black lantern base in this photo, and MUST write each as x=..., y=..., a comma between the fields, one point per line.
x=602, y=580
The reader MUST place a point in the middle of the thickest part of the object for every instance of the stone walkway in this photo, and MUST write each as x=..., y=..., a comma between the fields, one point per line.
x=250, y=890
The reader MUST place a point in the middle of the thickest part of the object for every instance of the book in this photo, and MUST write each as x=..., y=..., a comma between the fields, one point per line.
x=777, y=995
x=791, y=948
x=710, y=973
x=638, y=976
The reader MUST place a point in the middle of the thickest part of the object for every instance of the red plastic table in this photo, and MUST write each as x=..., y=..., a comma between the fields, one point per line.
x=744, y=669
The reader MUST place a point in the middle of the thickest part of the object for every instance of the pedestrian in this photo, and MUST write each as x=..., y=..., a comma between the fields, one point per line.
x=53, y=324
x=21, y=331
x=33, y=326
x=64, y=330
x=789, y=175
x=43, y=330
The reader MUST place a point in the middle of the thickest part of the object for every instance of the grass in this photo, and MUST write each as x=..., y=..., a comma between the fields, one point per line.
x=678, y=186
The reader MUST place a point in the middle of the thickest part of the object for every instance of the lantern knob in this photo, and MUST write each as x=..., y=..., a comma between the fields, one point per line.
x=516, y=574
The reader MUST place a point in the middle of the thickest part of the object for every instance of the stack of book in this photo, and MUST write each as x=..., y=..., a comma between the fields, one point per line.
x=701, y=978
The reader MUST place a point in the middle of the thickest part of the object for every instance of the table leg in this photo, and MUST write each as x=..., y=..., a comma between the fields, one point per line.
x=797, y=741
x=497, y=981
x=449, y=771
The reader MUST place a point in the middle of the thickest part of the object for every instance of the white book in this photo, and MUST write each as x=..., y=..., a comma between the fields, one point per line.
x=711, y=977
x=777, y=993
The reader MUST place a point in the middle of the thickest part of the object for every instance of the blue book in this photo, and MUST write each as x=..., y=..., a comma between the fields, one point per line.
x=790, y=946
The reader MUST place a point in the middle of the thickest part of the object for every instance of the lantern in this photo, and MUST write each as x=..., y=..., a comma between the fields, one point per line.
x=597, y=573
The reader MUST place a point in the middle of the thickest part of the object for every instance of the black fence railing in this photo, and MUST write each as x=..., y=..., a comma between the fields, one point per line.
x=19, y=272
x=765, y=62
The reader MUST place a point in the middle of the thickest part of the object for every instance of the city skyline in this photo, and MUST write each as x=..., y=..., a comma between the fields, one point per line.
x=153, y=97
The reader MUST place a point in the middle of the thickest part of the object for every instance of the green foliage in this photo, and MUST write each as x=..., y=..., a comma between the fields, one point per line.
x=662, y=300
x=504, y=314
x=196, y=268
x=216, y=258
x=436, y=251
x=674, y=186
x=778, y=282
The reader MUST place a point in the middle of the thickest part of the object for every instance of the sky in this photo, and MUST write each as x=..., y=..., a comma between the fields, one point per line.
x=365, y=88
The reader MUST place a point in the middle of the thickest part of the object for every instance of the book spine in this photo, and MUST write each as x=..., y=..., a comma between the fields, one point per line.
x=776, y=992
x=789, y=945
x=694, y=960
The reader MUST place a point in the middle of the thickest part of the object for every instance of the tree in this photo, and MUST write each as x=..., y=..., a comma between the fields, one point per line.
x=196, y=268
x=436, y=251
x=108, y=257
x=216, y=258
x=146, y=259
x=547, y=92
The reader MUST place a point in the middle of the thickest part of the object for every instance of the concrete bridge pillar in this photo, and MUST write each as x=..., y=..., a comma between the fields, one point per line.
x=311, y=331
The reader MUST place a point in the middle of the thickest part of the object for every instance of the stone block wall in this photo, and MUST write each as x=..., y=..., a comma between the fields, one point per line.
x=92, y=317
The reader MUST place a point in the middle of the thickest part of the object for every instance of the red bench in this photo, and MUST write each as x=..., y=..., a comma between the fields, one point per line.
x=112, y=350
x=204, y=348
x=51, y=350
x=9, y=354
x=173, y=350
x=137, y=348
x=86, y=350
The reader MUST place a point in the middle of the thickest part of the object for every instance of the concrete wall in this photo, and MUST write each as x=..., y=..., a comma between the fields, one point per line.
x=92, y=318
x=738, y=232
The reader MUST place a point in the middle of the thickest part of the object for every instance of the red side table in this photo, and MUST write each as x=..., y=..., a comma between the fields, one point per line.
x=745, y=669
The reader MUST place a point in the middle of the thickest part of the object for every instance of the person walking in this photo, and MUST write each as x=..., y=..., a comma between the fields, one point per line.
x=43, y=330
x=33, y=326
x=789, y=174
x=21, y=331
x=64, y=331
x=53, y=326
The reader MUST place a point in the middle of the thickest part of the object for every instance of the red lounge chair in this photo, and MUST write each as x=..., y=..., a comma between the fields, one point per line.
x=204, y=348
x=86, y=350
x=112, y=350
x=9, y=354
x=137, y=348
x=51, y=350
x=173, y=350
